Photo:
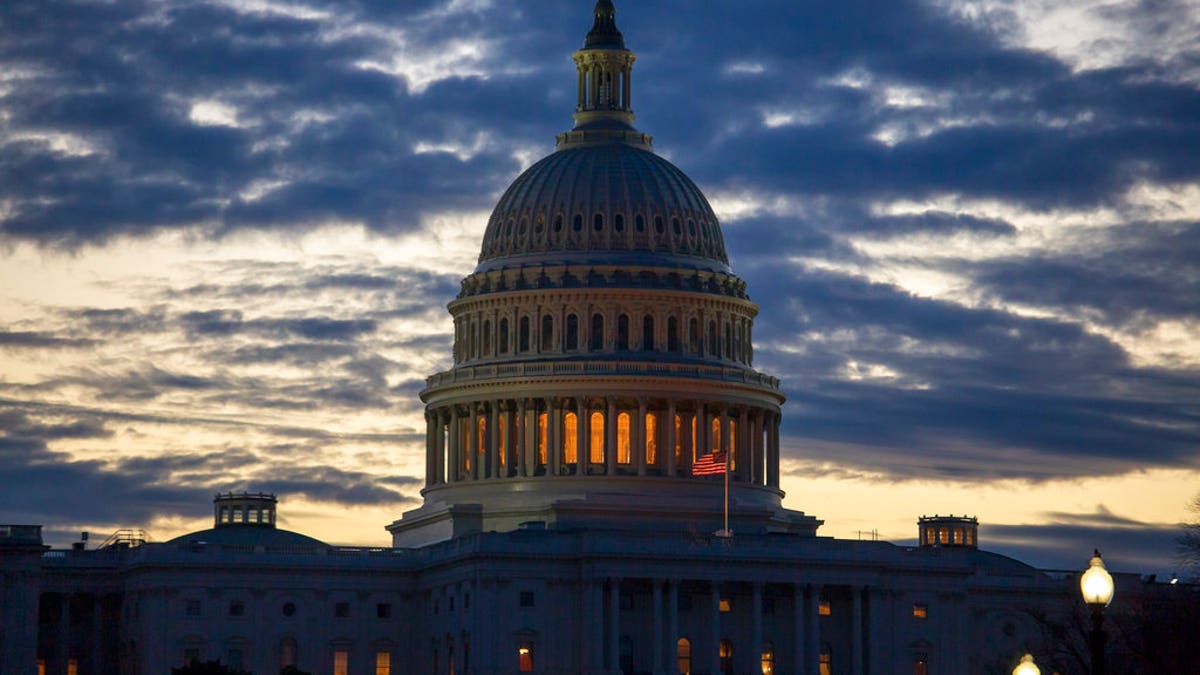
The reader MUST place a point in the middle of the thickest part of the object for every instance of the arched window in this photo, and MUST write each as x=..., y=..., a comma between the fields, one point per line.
x=596, y=444
x=502, y=426
x=597, y=336
x=728, y=342
x=672, y=334
x=694, y=336
x=715, y=441
x=712, y=338
x=825, y=660
x=572, y=336
x=726, y=653
x=623, y=454
x=648, y=333
x=622, y=332
x=683, y=655
x=570, y=438
x=547, y=333
x=287, y=652
x=523, y=344
x=768, y=658
x=542, y=432
x=525, y=657
x=503, y=336
x=481, y=441
x=678, y=440
x=651, y=438
x=487, y=337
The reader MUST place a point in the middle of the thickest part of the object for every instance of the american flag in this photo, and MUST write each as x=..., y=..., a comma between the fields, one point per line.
x=712, y=464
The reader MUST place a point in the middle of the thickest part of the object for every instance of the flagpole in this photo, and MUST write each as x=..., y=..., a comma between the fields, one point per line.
x=725, y=532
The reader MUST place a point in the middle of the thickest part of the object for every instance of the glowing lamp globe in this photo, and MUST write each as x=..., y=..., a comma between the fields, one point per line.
x=1027, y=666
x=1096, y=584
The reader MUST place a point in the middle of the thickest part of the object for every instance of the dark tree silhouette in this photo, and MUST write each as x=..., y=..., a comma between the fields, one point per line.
x=1189, y=542
x=207, y=668
x=293, y=670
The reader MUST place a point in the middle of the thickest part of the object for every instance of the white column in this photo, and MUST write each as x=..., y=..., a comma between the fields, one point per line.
x=553, y=444
x=522, y=446
x=856, y=631
x=713, y=655
x=455, y=446
x=656, y=654
x=610, y=436
x=801, y=654
x=614, y=625
x=582, y=436
x=669, y=450
x=814, y=627
x=639, y=444
x=473, y=442
x=493, y=440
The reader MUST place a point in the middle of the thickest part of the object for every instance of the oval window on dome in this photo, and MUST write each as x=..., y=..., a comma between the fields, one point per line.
x=524, y=227
x=658, y=224
x=676, y=227
x=691, y=228
x=598, y=222
x=540, y=224
x=619, y=223
x=558, y=222
x=639, y=223
x=578, y=224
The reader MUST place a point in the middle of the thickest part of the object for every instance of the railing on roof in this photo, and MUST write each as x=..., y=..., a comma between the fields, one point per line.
x=559, y=368
x=125, y=538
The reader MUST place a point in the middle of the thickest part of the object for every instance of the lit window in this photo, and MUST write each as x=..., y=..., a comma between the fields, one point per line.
x=383, y=663
x=651, y=438
x=72, y=666
x=543, y=420
x=826, y=662
x=716, y=434
x=623, y=455
x=725, y=652
x=525, y=657
x=41, y=666
x=768, y=658
x=596, y=448
x=502, y=424
x=724, y=605
x=341, y=662
x=823, y=608
x=920, y=611
x=683, y=652
x=921, y=666
x=481, y=440
x=570, y=438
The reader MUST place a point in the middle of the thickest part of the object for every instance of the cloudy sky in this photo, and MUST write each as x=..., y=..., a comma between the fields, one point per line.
x=229, y=229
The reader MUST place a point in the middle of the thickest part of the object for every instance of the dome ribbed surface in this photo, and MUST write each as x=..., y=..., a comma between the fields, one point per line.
x=609, y=198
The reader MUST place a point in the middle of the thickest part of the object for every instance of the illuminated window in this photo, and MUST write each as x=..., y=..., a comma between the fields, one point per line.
x=542, y=421
x=502, y=425
x=678, y=440
x=921, y=666
x=651, y=438
x=571, y=438
x=683, y=654
x=725, y=652
x=341, y=662
x=715, y=441
x=823, y=608
x=383, y=663
x=525, y=657
x=921, y=611
x=733, y=445
x=596, y=445
x=768, y=658
x=72, y=666
x=944, y=535
x=41, y=666
x=826, y=661
x=623, y=455
x=481, y=439
x=724, y=605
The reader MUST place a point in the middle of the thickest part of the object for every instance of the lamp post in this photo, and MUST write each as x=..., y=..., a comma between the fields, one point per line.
x=1096, y=584
x=1027, y=666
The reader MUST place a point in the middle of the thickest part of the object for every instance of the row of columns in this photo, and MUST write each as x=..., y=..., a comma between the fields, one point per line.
x=84, y=646
x=504, y=438
x=602, y=602
x=605, y=87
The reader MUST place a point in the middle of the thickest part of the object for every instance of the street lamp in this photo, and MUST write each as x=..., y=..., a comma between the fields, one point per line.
x=1096, y=584
x=1027, y=666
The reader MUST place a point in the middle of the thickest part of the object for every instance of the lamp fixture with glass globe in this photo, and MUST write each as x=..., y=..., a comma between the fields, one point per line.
x=1096, y=584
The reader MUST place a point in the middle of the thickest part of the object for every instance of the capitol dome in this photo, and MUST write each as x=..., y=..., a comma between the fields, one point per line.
x=603, y=349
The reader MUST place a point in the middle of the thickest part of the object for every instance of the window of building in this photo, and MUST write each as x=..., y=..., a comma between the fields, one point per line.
x=543, y=431
x=825, y=661
x=383, y=610
x=503, y=336
x=623, y=332
x=72, y=666
x=921, y=665
x=572, y=336
x=715, y=441
x=684, y=602
x=547, y=333
x=570, y=438
x=596, y=339
x=191, y=655
x=683, y=655
x=341, y=610
x=526, y=599
x=768, y=658
x=487, y=337
x=648, y=333
x=768, y=606
x=234, y=658
x=724, y=605
x=920, y=611
x=525, y=657
x=725, y=652
x=672, y=334
x=523, y=344
x=823, y=608
x=623, y=445
x=287, y=652
x=383, y=663
x=625, y=654
x=651, y=438
x=41, y=667
x=502, y=440
x=341, y=662
x=191, y=607
x=467, y=600
x=237, y=608
x=596, y=445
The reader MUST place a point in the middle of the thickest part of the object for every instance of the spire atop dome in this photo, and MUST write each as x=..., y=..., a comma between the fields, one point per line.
x=604, y=31
x=604, y=113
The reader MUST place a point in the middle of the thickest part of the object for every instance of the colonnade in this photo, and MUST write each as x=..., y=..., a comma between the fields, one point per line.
x=78, y=622
x=604, y=436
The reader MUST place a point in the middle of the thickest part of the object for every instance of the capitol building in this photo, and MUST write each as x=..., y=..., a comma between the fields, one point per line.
x=602, y=487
